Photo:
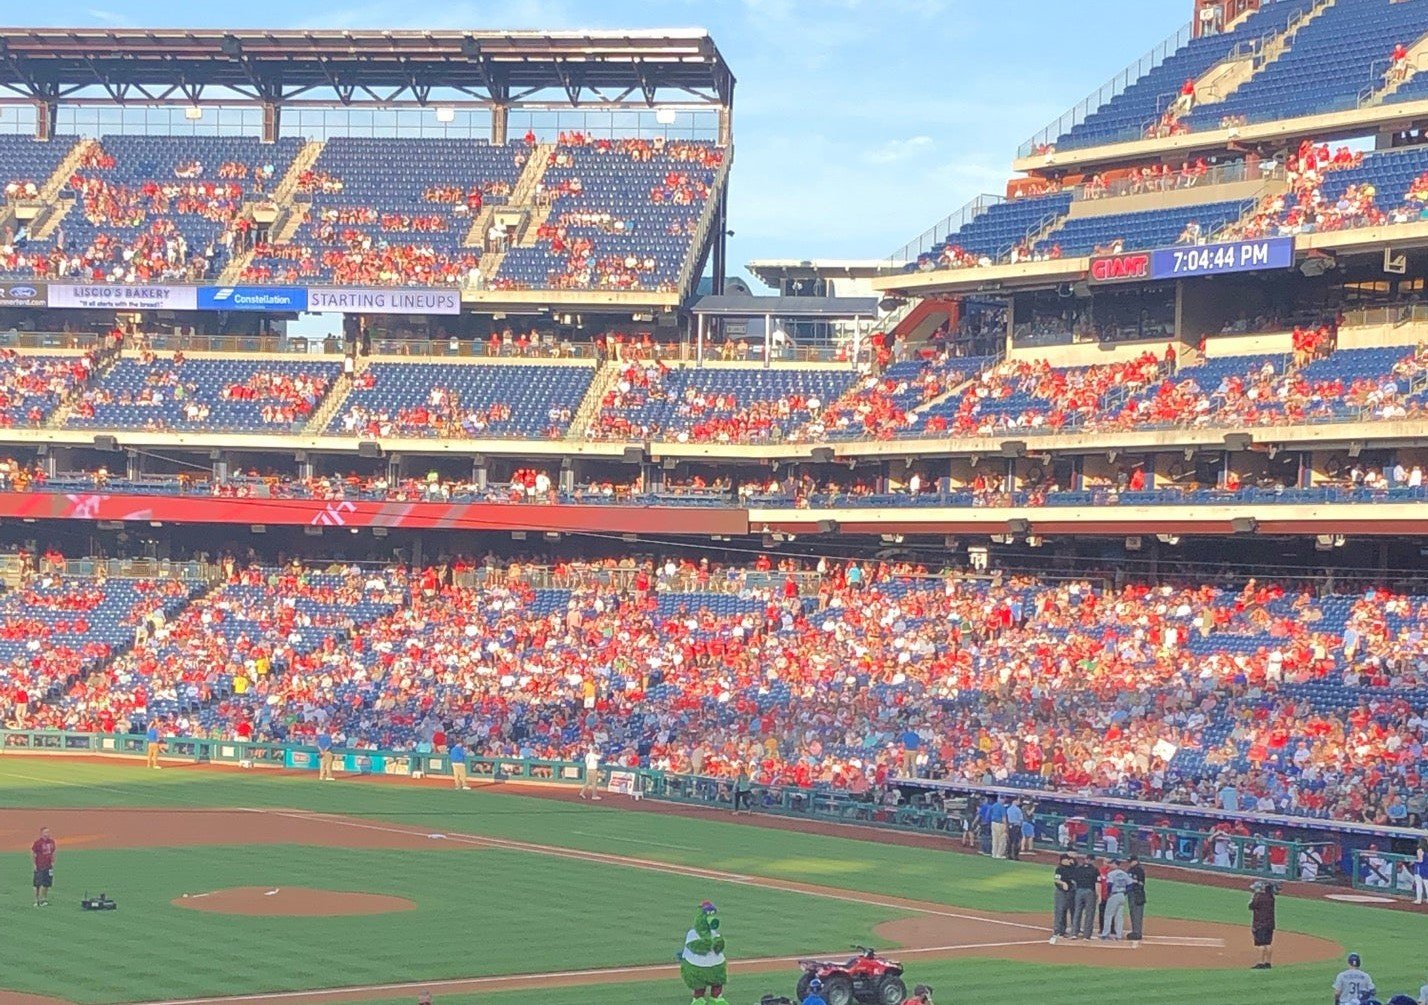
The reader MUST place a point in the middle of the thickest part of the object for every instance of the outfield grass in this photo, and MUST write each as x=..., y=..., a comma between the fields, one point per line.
x=505, y=912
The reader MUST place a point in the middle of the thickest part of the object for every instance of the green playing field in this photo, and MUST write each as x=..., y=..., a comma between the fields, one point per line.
x=483, y=911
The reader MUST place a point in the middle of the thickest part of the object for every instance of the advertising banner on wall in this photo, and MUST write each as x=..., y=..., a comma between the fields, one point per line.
x=23, y=295
x=277, y=299
x=123, y=297
x=355, y=300
x=348, y=513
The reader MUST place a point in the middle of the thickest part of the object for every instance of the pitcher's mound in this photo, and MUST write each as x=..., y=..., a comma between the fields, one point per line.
x=291, y=901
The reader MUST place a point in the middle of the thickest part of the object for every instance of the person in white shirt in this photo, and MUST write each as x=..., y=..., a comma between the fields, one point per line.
x=590, y=787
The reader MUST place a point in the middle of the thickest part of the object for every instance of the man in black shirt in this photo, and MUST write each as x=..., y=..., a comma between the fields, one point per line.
x=1086, y=876
x=1135, y=897
x=1063, y=893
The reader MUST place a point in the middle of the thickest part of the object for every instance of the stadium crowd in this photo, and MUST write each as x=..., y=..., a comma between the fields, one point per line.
x=843, y=674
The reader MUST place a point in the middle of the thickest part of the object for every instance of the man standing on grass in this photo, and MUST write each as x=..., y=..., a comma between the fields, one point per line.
x=1014, y=822
x=153, y=742
x=456, y=754
x=44, y=852
x=324, y=757
x=590, y=785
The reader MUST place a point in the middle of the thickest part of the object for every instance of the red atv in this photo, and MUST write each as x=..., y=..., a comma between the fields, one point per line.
x=866, y=979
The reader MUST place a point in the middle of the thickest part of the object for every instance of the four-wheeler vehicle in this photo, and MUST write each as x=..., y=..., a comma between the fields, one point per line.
x=866, y=979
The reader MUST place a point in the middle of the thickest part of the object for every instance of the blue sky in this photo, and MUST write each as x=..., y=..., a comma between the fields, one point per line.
x=858, y=123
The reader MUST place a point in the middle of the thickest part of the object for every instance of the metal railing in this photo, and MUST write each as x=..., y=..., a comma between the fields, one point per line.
x=1079, y=112
x=1383, y=872
x=939, y=232
x=16, y=339
x=1396, y=315
x=13, y=565
x=1221, y=174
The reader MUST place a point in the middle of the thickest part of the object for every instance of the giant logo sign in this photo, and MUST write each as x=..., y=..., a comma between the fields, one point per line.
x=1121, y=268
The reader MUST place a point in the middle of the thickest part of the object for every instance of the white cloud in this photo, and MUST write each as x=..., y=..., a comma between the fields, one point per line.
x=897, y=150
x=109, y=17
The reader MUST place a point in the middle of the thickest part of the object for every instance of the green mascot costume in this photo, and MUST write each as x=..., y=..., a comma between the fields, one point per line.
x=701, y=961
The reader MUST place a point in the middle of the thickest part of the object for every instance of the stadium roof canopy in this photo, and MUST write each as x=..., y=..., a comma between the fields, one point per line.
x=614, y=69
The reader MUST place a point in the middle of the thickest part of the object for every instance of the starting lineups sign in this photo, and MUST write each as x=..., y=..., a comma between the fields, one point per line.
x=270, y=299
x=338, y=300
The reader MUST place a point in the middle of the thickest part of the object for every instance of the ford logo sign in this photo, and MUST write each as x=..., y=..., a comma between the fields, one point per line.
x=23, y=291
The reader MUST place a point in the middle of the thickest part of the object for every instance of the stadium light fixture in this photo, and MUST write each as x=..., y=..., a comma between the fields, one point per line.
x=193, y=113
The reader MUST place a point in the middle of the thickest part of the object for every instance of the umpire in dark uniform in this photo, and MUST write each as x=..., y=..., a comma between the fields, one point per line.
x=1063, y=896
x=1135, y=898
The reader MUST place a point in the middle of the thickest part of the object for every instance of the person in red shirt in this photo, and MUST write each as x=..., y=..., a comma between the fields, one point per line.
x=44, y=852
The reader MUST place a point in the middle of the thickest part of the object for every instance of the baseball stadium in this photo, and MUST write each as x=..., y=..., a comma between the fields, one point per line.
x=431, y=570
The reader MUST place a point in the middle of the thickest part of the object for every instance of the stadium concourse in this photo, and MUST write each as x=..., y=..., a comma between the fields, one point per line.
x=848, y=676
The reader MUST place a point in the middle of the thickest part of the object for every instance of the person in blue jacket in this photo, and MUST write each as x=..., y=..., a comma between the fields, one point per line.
x=815, y=993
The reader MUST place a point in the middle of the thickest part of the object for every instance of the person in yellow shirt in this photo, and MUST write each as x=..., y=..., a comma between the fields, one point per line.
x=240, y=683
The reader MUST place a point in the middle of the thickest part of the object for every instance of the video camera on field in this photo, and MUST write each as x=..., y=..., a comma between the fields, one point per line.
x=99, y=903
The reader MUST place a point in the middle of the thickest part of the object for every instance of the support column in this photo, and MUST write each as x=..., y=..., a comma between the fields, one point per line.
x=272, y=121
x=726, y=126
x=857, y=342
x=500, y=123
x=721, y=236
x=479, y=472
x=699, y=341
x=768, y=339
x=46, y=110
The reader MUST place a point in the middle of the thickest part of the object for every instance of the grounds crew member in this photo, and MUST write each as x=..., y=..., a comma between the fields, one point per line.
x=1014, y=822
x=1063, y=893
x=1353, y=986
x=43, y=851
x=456, y=754
x=1135, y=897
x=324, y=757
x=997, y=816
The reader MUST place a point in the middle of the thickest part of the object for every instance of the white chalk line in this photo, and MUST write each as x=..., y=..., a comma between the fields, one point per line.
x=669, y=868
x=652, y=970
